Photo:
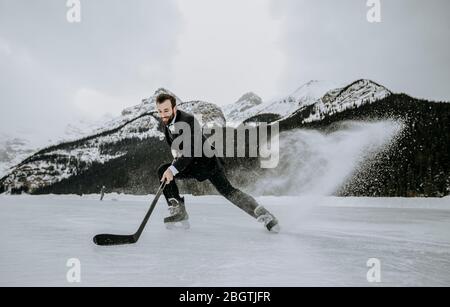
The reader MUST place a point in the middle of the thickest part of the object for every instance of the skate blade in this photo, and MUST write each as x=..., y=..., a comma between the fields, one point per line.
x=275, y=229
x=178, y=225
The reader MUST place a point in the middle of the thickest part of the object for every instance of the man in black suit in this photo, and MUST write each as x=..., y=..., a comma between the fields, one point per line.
x=189, y=163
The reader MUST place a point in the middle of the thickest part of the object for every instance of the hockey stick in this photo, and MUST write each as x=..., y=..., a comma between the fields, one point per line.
x=109, y=239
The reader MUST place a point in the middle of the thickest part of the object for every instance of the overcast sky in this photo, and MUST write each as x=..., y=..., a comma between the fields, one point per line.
x=53, y=72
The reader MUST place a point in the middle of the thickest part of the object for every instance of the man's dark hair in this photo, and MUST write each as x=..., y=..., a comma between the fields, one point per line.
x=163, y=97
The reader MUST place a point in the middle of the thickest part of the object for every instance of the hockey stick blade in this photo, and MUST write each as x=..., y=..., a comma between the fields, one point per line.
x=107, y=239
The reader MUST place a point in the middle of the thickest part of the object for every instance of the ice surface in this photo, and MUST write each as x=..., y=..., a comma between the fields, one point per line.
x=324, y=241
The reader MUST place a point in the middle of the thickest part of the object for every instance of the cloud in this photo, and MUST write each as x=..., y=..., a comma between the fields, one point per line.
x=409, y=51
x=5, y=49
x=210, y=50
x=120, y=52
x=95, y=103
x=227, y=48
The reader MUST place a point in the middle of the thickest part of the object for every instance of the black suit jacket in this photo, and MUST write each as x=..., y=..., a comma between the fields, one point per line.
x=200, y=168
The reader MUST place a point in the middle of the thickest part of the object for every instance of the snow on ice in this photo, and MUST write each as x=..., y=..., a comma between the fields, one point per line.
x=324, y=241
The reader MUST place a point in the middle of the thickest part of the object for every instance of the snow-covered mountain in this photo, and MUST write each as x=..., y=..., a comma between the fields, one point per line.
x=352, y=96
x=124, y=153
x=14, y=148
x=111, y=141
x=205, y=112
x=209, y=112
x=87, y=144
x=326, y=98
x=241, y=109
x=251, y=105
x=12, y=151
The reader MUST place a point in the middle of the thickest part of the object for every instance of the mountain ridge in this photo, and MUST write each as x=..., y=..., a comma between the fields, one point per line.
x=117, y=155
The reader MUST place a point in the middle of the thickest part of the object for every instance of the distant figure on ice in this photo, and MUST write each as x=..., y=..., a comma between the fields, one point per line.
x=200, y=168
x=102, y=193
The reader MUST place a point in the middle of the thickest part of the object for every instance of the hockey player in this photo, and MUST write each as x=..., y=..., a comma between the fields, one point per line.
x=199, y=167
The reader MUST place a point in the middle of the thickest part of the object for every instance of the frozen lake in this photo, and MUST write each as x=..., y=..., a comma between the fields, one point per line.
x=324, y=241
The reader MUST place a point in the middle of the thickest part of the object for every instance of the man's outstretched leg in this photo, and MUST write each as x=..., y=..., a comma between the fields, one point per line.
x=244, y=201
x=177, y=208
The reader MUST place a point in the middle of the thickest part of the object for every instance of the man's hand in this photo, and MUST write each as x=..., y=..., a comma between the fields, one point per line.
x=167, y=176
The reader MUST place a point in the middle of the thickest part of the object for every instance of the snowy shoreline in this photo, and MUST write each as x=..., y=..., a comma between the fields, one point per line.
x=312, y=200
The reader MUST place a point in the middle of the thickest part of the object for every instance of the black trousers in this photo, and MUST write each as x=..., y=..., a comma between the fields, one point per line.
x=222, y=185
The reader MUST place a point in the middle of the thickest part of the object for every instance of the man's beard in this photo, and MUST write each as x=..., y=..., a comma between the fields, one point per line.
x=170, y=119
